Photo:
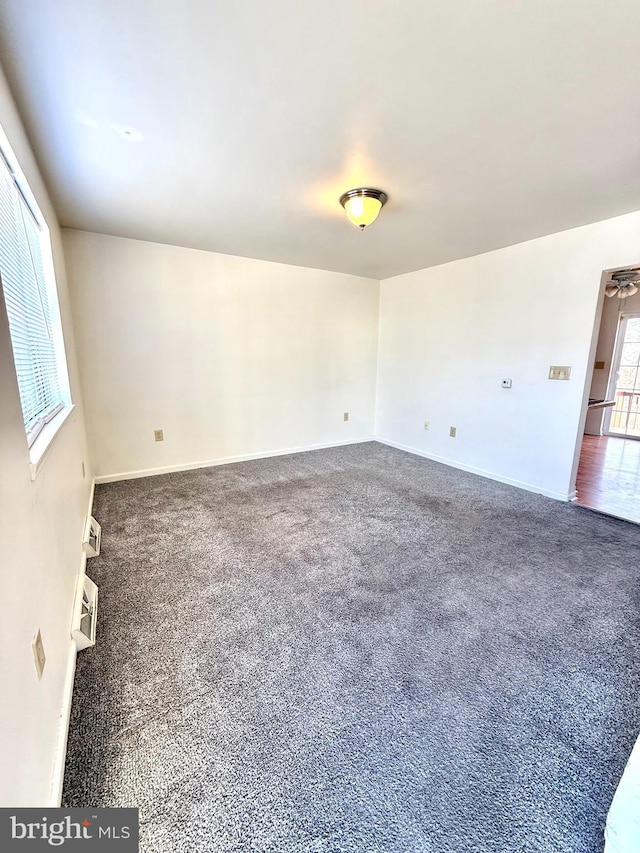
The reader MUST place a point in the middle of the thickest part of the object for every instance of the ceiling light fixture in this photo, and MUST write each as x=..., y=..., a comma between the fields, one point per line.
x=623, y=284
x=363, y=205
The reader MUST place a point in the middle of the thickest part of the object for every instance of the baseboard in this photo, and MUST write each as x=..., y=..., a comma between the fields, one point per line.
x=227, y=460
x=91, y=496
x=57, y=779
x=481, y=472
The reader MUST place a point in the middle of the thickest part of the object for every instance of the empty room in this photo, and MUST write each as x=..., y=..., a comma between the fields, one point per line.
x=301, y=330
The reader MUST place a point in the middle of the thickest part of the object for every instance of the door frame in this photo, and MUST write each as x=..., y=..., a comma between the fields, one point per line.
x=595, y=334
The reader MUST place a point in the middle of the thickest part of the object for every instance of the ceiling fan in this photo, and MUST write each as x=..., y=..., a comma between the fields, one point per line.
x=623, y=283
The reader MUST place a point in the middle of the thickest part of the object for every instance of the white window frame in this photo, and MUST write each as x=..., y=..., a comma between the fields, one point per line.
x=39, y=438
x=615, y=370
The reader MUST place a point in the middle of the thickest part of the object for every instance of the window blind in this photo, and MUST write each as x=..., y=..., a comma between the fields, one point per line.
x=28, y=307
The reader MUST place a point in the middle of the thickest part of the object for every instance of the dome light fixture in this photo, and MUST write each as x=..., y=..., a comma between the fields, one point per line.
x=363, y=205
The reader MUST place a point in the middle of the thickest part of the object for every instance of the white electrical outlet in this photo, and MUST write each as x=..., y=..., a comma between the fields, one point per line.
x=39, y=656
x=506, y=383
x=559, y=372
x=158, y=434
x=452, y=432
x=426, y=424
x=345, y=417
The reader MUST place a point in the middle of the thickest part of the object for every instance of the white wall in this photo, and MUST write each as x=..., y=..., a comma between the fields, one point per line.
x=604, y=352
x=229, y=356
x=449, y=334
x=41, y=525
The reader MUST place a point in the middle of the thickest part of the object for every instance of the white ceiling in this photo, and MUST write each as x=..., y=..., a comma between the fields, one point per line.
x=487, y=122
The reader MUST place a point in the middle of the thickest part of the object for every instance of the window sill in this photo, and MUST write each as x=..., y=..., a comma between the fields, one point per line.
x=43, y=442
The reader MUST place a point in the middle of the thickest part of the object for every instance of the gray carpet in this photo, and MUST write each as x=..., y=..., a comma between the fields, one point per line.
x=356, y=649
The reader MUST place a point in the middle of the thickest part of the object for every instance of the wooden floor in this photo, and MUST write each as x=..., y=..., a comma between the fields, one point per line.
x=609, y=476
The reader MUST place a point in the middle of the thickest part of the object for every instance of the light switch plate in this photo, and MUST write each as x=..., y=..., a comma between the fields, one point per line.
x=506, y=383
x=559, y=372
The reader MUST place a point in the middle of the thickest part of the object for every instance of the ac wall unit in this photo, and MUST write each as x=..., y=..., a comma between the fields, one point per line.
x=91, y=537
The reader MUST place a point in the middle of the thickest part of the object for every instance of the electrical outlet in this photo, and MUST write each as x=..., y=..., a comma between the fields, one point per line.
x=345, y=417
x=506, y=383
x=426, y=424
x=452, y=432
x=599, y=365
x=559, y=372
x=158, y=434
x=39, y=656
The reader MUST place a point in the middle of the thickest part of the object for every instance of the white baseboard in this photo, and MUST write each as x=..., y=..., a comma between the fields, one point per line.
x=490, y=475
x=91, y=496
x=228, y=460
x=57, y=778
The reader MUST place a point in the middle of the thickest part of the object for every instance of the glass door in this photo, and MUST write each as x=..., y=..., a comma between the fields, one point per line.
x=623, y=418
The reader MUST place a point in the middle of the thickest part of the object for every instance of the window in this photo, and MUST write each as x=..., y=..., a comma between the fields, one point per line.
x=26, y=271
x=624, y=418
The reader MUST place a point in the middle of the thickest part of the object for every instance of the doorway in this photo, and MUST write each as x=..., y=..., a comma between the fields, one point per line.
x=608, y=471
x=623, y=419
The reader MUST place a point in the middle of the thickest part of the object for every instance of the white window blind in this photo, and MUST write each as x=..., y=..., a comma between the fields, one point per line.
x=29, y=307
